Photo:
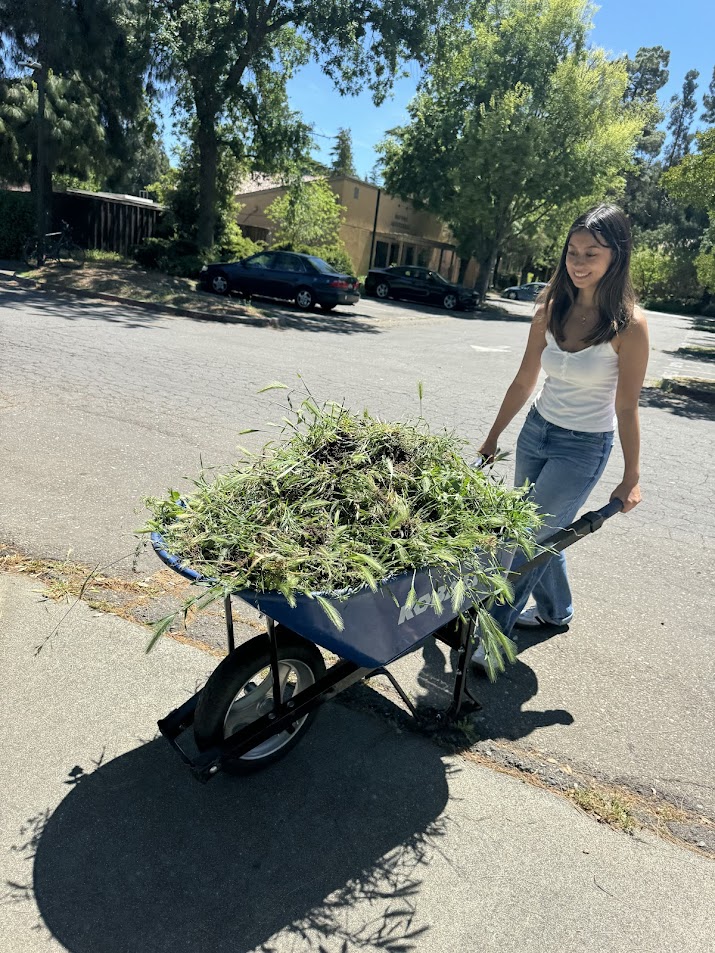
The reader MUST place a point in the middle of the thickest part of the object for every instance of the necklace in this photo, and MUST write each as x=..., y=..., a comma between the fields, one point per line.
x=584, y=314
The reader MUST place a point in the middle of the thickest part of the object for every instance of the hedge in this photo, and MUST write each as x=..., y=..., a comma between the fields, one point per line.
x=17, y=214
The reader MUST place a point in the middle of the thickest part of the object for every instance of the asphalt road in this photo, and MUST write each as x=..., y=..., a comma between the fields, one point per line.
x=102, y=405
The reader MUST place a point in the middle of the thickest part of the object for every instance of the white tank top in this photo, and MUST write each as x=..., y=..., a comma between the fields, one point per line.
x=579, y=392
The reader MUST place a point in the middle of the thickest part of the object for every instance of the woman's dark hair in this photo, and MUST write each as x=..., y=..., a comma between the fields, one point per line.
x=614, y=295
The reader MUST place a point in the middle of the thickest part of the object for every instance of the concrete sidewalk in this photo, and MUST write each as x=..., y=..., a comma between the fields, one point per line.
x=363, y=837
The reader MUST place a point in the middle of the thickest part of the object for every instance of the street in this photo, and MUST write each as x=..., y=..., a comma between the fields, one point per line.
x=103, y=405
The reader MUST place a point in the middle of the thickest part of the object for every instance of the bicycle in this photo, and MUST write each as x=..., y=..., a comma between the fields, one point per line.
x=59, y=247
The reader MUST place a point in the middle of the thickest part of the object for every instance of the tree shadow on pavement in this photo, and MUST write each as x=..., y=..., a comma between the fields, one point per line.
x=682, y=405
x=145, y=315
x=327, y=843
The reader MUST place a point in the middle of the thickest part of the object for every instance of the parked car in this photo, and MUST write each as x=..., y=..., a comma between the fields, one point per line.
x=527, y=292
x=305, y=279
x=418, y=284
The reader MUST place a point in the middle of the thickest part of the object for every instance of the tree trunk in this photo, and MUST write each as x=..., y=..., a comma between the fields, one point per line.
x=486, y=271
x=208, y=169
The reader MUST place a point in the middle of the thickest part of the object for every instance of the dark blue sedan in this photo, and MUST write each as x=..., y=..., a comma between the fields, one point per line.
x=304, y=279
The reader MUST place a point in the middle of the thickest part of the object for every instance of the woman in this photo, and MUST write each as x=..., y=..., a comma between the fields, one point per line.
x=592, y=342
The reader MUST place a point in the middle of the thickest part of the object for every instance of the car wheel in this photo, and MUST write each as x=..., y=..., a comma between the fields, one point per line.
x=219, y=284
x=449, y=301
x=305, y=299
x=512, y=295
x=382, y=290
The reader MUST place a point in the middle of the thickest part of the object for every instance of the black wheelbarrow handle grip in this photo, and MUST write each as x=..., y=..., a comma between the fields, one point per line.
x=561, y=539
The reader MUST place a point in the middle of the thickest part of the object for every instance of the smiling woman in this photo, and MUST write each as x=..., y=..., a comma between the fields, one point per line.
x=592, y=342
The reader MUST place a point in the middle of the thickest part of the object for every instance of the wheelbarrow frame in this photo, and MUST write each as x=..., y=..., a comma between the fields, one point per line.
x=457, y=635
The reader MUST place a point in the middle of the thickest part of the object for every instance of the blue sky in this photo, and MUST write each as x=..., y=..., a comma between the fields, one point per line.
x=685, y=27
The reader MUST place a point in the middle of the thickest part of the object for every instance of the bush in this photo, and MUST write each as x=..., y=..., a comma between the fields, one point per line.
x=17, y=214
x=174, y=256
x=233, y=244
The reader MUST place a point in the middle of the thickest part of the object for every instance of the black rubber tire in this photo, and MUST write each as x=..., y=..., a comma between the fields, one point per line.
x=512, y=296
x=29, y=253
x=305, y=299
x=71, y=254
x=328, y=307
x=219, y=284
x=384, y=293
x=230, y=678
x=450, y=301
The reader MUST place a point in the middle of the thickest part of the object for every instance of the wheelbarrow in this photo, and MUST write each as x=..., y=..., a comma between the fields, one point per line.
x=263, y=696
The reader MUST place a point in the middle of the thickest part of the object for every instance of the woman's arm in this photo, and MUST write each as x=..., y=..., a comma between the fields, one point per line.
x=633, y=354
x=522, y=386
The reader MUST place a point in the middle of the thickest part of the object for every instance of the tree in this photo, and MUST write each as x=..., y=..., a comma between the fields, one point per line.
x=308, y=213
x=643, y=196
x=91, y=62
x=515, y=120
x=229, y=60
x=708, y=114
x=682, y=113
x=692, y=182
x=342, y=153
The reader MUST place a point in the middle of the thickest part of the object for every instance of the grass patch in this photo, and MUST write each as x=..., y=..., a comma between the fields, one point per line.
x=606, y=807
x=697, y=387
x=700, y=353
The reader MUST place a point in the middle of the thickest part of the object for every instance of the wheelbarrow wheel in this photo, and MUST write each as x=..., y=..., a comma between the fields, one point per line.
x=240, y=691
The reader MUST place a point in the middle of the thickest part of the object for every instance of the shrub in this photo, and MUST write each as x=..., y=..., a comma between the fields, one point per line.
x=17, y=214
x=174, y=256
x=233, y=244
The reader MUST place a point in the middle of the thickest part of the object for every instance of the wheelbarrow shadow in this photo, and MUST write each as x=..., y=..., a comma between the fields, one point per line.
x=140, y=857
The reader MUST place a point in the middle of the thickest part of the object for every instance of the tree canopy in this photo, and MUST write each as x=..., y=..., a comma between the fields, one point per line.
x=516, y=119
x=92, y=58
x=229, y=61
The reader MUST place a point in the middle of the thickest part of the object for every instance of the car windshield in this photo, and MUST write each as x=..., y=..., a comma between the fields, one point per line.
x=437, y=277
x=322, y=266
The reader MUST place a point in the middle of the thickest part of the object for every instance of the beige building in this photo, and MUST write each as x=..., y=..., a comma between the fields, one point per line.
x=379, y=230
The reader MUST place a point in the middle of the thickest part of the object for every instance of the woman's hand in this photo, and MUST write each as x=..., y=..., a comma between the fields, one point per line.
x=488, y=450
x=628, y=493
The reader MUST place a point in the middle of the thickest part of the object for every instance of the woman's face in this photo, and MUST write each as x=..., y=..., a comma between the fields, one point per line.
x=587, y=260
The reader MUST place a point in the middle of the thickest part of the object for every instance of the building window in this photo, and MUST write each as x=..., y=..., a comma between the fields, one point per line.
x=380, y=254
x=423, y=257
x=356, y=192
x=408, y=255
x=394, y=254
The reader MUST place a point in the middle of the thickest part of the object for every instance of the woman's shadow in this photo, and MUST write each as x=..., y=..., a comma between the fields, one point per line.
x=502, y=714
x=140, y=857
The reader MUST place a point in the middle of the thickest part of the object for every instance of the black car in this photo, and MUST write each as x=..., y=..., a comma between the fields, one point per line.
x=419, y=284
x=305, y=279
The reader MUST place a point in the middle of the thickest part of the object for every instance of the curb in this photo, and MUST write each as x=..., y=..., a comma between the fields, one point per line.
x=153, y=306
x=690, y=387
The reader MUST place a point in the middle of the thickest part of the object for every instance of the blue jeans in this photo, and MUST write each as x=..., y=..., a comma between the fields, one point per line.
x=562, y=467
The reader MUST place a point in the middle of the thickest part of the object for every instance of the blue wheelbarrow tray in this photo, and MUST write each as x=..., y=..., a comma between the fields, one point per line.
x=378, y=626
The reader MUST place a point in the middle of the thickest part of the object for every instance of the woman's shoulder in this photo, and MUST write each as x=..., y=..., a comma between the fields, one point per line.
x=635, y=334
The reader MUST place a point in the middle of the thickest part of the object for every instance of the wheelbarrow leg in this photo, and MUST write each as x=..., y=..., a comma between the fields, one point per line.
x=462, y=698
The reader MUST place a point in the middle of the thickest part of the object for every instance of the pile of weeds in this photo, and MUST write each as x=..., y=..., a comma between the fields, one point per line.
x=344, y=501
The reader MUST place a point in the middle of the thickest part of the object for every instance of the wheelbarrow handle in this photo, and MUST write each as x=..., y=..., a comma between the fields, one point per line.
x=584, y=525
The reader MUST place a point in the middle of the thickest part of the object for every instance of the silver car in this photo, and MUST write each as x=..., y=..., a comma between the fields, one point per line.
x=528, y=292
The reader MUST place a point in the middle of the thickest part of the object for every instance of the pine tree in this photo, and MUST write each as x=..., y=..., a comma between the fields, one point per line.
x=342, y=153
x=682, y=113
x=708, y=115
